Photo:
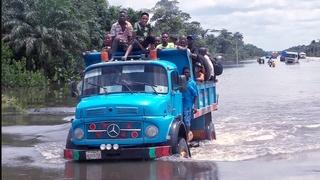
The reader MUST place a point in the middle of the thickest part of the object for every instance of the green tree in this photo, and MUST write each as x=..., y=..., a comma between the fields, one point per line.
x=94, y=17
x=194, y=28
x=14, y=73
x=224, y=42
x=313, y=49
x=168, y=17
x=44, y=32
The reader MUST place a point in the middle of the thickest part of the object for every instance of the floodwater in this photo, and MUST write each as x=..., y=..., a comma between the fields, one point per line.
x=267, y=125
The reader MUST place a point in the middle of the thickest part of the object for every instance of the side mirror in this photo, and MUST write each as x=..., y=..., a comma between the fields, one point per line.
x=76, y=87
x=182, y=83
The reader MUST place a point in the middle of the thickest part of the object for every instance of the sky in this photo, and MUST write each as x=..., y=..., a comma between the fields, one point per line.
x=272, y=25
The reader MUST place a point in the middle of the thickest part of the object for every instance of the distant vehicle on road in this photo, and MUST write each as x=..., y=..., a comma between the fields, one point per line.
x=291, y=58
x=268, y=57
x=260, y=60
x=302, y=55
x=283, y=55
x=274, y=55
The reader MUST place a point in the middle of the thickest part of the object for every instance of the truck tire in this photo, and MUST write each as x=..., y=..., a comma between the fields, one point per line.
x=69, y=144
x=210, y=131
x=182, y=148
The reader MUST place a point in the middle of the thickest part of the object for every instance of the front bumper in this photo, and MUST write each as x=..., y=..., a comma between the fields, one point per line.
x=121, y=153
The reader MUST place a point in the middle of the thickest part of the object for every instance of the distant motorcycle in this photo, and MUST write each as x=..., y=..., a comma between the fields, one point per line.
x=271, y=63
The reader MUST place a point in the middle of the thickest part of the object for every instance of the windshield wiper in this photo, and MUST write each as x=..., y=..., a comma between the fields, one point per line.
x=145, y=83
x=124, y=83
x=104, y=88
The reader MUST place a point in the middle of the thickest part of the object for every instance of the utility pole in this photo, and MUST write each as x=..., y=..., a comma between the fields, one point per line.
x=237, y=36
x=237, y=52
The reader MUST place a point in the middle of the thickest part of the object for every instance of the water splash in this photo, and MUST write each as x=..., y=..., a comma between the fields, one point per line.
x=52, y=152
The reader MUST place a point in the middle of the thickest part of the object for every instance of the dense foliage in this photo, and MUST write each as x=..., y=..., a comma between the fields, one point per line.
x=15, y=74
x=47, y=37
x=10, y=104
x=313, y=49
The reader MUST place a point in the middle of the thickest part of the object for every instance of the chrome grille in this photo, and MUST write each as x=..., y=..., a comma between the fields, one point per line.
x=113, y=130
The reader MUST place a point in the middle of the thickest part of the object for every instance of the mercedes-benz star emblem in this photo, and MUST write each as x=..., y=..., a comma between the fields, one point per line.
x=113, y=130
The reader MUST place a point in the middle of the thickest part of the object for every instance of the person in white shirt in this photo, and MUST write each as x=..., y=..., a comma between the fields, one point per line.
x=208, y=63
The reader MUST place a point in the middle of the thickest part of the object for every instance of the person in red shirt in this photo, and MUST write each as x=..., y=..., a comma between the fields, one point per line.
x=199, y=72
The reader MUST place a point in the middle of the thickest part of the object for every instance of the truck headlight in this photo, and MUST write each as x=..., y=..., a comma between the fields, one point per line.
x=151, y=131
x=78, y=133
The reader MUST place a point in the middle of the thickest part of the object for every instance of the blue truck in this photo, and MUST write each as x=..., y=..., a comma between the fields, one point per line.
x=133, y=109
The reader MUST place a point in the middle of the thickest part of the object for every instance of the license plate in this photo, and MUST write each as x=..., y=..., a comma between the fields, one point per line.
x=93, y=155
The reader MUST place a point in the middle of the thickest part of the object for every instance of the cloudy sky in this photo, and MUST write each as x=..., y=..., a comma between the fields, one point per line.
x=268, y=24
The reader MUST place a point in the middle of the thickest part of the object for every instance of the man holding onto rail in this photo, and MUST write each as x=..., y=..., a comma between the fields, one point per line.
x=189, y=97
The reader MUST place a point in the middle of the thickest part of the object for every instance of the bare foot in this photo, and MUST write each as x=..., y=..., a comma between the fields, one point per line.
x=190, y=136
x=124, y=58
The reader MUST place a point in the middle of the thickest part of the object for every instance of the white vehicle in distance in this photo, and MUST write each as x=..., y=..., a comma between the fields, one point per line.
x=291, y=58
x=302, y=55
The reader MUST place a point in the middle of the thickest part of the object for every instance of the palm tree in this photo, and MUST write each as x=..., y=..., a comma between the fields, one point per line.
x=41, y=31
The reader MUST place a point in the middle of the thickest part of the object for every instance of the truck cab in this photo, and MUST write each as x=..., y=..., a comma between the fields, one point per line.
x=302, y=55
x=133, y=109
x=291, y=58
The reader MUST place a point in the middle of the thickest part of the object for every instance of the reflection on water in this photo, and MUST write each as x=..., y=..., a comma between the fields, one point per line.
x=32, y=119
x=154, y=170
x=133, y=170
x=42, y=96
x=43, y=106
x=27, y=173
x=18, y=141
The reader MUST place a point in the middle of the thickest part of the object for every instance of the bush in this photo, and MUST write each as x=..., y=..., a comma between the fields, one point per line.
x=14, y=73
x=10, y=104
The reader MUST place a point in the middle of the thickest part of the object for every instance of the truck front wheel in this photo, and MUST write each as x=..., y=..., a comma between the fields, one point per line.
x=182, y=148
x=69, y=144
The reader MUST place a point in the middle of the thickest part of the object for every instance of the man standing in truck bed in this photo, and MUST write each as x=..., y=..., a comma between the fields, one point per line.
x=189, y=97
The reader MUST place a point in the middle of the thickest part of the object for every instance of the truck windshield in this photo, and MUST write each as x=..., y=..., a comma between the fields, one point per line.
x=143, y=78
x=292, y=55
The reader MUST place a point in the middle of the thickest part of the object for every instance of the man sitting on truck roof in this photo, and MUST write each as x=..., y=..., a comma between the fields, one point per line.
x=143, y=36
x=189, y=97
x=121, y=33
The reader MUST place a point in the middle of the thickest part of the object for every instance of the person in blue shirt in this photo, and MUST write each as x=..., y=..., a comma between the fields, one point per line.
x=189, y=96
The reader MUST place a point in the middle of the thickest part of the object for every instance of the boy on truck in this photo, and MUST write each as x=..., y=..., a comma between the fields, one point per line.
x=121, y=33
x=143, y=36
x=190, y=97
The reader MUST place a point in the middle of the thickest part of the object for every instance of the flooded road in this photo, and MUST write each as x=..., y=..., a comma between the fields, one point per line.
x=267, y=125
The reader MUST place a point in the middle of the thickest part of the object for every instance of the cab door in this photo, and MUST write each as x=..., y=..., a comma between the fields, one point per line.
x=176, y=96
